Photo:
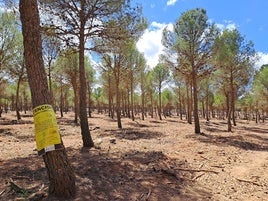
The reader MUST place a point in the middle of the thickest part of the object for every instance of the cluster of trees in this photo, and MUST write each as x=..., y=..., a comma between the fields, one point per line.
x=204, y=72
x=209, y=71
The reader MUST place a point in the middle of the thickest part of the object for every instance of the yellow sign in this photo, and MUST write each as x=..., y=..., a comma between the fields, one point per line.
x=46, y=128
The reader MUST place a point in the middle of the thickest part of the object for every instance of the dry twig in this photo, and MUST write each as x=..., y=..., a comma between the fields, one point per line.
x=198, y=176
x=247, y=181
x=148, y=194
x=2, y=192
x=197, y=170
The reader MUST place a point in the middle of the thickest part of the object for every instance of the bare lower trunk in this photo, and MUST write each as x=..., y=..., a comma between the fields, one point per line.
x=60, y=173
x=196, y=117
x=86, y=137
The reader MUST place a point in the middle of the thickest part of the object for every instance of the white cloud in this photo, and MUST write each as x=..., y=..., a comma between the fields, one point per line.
x=263, y=59
x=227, y=25
x=231, y=26
x=150, y=43
x=171, y=2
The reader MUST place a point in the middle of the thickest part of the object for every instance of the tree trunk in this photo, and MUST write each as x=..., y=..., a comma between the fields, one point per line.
x=50, y=83
x=142, y=105
x=76, y=105
x=229, y=113
x=60, y=174
x=89, y=100
x=61, y=99
x=207, y=103
x=233, y=103
x=17, y=99
x=132, y=98
x=196, y=118
x=86, y=137
x=118, y=109
x=160, y=102
x=189, y=103
x=180, y=103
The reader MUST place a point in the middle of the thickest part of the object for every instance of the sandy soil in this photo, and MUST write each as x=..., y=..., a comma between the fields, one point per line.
x=146, y=160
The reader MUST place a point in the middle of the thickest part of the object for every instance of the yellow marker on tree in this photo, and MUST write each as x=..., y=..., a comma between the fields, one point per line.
x=46, y=129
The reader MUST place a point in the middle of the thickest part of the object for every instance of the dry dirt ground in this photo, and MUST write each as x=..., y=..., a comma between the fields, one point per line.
x=146, y=160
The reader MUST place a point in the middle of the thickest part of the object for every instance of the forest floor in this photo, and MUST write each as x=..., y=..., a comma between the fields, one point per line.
x=149, y=160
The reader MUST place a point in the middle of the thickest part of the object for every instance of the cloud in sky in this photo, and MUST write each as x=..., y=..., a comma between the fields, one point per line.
x=226, y=25
x=171, y=2
x=150, y=43
x=263, y=59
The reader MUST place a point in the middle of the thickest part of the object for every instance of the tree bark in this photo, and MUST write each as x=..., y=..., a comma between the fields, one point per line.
x=229, y=113
x=86, y=137
x=159, y=100
x=60, y=173
x=196, y=118
x=17, y=99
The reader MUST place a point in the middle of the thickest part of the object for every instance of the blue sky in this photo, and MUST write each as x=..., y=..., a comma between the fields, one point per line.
x=248, y=16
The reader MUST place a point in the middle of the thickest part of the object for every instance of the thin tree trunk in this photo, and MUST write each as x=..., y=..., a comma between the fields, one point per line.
x=196, y=118
x=142, y=105
x=160, y=102
x=180, y=103
x=118, y=109
x=117, y=83
x=86, y=137
x=189, y=103
x=233, y=105
x=17, y=99
x=61, y=99
x=229, y=113
x=207, y=103
x=60, y=173
x=132, y=98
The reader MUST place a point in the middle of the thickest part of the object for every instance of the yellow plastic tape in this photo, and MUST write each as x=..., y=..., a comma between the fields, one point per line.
x=46, y=128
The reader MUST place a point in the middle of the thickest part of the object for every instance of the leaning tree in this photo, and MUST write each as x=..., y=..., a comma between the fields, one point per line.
x=49, y=143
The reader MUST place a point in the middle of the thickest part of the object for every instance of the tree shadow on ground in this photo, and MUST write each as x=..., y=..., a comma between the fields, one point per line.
x=102, y=176
x=14, y=121
x=132, y=134
x=264, y=139
x=235, y=141
x=256, y=130
x=130, y=176
x=137, y=124
x=157, y=122
x=24, y=173
x=26, y=136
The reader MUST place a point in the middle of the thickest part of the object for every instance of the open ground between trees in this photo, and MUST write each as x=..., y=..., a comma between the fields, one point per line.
x=147, y=159
x=210, y=68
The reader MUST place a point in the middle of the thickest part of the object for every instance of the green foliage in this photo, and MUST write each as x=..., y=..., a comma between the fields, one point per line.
x=219, y=101
x=160, y=75
x=168, y=97
x=260, y=85
x=9, y=36
x=234, y=58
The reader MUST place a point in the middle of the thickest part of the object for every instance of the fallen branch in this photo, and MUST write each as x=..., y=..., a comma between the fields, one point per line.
x=140, y=197
x=148, y=195
x=197, y=170
x=248, y=181
x=16, y=187
x=2, y=192
x=217, y=166
x=198, y=176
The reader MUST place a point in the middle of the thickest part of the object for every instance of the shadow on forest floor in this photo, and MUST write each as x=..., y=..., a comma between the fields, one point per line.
x=102, y=176
x=245, y=142
x=133, y=134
